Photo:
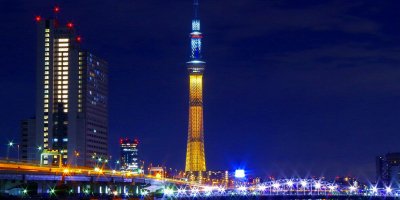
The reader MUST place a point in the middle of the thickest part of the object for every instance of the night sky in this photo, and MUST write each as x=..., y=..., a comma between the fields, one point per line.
x=292, y=87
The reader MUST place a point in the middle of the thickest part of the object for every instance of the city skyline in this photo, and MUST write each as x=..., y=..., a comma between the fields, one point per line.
x=265, y=77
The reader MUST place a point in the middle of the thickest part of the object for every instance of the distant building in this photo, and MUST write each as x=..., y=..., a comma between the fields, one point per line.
x=129, y=155
x=71, y=99
x=388, y=169
x=29, y=150
x=217, y=178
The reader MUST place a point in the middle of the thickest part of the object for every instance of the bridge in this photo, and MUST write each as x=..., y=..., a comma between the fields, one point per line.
x=19, y=178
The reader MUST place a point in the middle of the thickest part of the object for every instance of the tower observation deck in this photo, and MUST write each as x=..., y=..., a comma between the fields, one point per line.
x=195, y=155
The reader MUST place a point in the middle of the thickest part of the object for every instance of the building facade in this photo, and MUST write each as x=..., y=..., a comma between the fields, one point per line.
x=129, y=155
x=71, y=96
x=388, y=169
x=195, y=155
x=29, y=150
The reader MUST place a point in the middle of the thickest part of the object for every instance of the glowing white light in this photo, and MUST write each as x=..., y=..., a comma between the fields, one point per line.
x=168, y=191
x=242, y=188
x=207, y=189
x=194, y=191
x=181, y=191
x=332, y=187
x=374, y=189
x=276, y=185
x=303, y=183
x=352, y=188
x=221, y=189
x=318, y=185
x=290, y=183
x=239, y=173
x=388, y=190
x=262, y=187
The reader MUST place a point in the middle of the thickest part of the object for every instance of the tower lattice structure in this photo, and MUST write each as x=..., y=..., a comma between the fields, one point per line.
x=195, y=155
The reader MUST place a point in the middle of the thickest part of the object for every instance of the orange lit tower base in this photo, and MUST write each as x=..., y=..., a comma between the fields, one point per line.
x=195, y=156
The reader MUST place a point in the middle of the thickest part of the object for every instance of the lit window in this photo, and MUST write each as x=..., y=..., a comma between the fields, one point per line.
x=62, y=49
x=65, y=96
x=46, y=53
x=46, y=72
x=46, y=77
x=65, y=86
x=65, y=58
x=46, y=105
x=65, y=101
x=46, y=86
x=46, y=44
x=63, y=44
x=63, y=40
x=47, y=40
x=65, y=110
x=65, y=63
x=47, y=49
x=46, y=110
x=65, y=82
x=65, y=68
x=65, y=54
x=47, y=35
x=47, y=30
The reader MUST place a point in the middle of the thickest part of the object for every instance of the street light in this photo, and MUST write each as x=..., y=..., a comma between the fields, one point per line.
x=10, y=144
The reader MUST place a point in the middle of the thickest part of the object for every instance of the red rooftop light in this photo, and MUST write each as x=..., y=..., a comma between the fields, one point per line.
x=78, y=38
x=70, y=25
x=56, y=9
x=38, y=18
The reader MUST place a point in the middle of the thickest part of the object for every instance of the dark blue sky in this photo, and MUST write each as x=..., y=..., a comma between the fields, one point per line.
x=291, y=86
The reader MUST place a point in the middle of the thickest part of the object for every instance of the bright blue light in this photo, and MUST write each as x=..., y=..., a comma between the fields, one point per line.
x=239, y=173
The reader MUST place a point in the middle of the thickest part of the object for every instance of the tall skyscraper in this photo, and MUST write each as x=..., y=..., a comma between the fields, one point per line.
x=71, y=96
x=129, y=155
x=195, y=156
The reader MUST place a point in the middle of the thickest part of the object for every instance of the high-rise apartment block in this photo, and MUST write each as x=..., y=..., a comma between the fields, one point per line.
x=71, y=97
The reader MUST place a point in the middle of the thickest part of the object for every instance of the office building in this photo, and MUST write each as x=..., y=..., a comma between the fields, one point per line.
x=129, y=155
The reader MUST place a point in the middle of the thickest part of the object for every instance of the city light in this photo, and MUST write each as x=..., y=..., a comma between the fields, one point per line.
x=352, y=188
x=290, y=183
x=388, y=190
x=303, y=183
x=262, y=188
x=240, y=173
x=317, y=185
x=168, y=191
x=276, y=185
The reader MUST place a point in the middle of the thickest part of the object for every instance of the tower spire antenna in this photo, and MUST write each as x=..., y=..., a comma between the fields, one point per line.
x=196, y=8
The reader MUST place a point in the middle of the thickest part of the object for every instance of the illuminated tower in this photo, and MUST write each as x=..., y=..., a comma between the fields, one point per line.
x=195, y=156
